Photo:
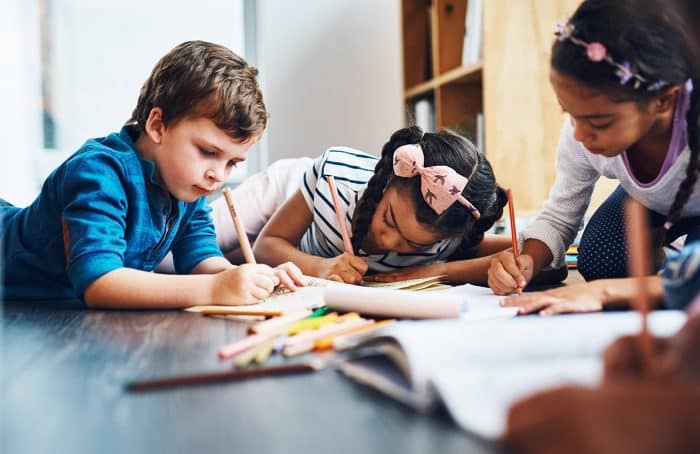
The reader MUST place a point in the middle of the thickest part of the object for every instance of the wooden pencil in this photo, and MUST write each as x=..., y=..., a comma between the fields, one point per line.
x=347, y=245
x=513, y=232
x=240, y=229
x=227, y=375
x=638, y=238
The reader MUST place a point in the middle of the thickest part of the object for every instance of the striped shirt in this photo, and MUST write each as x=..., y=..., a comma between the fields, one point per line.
x=351, y=170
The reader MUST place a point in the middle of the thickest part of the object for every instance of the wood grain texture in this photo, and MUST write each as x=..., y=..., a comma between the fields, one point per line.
x=521, y=115
x=64, y=370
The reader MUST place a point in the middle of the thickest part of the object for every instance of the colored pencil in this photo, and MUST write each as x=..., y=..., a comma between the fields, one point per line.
x=240, y=229
x=640, y=267
x=513, y=232
x=339, y=215
x=227, y=375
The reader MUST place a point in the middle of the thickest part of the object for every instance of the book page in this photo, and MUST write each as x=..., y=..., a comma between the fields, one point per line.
x=491, y=391
x=513, y=357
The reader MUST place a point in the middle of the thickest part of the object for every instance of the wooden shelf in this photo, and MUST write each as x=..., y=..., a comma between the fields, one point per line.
x=462, y=74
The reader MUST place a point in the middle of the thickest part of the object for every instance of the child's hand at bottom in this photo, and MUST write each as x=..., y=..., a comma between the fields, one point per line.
x=508, y=274
x=583, y=297
x=414, y=272
x=246, y=284
x=343, y=268
x=289, y=275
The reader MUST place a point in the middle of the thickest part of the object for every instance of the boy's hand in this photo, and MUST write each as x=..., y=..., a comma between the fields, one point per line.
x=343, y=268
x=414, y=272
x=506, y=274
x=289, y=275
x=583, y=297
x=246, y=284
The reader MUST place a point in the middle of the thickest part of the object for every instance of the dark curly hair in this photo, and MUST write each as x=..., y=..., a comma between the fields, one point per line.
x=653, y=37
x=441, y=148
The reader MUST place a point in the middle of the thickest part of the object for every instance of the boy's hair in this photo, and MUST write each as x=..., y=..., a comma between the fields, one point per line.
x=202, y=79
x=652, y=36
x=442, y=148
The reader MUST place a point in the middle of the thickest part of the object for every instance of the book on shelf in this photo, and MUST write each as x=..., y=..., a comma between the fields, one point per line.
x=478, y=369
x=472, y=47
x=425, y=114
x=480, y=132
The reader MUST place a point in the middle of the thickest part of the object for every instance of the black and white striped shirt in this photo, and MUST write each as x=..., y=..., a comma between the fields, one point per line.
x=351, y=170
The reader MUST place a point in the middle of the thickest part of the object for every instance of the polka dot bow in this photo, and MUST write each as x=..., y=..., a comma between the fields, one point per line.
x=441, y=186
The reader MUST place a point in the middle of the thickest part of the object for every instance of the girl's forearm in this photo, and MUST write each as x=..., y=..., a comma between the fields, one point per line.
x=540, y=253
x=275, y=251
x=472, y=271
x=616, y=292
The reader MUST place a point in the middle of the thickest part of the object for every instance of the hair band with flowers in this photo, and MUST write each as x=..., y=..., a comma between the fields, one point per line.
x=596, y=52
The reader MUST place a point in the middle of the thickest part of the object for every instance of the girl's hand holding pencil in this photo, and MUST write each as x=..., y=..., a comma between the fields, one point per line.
x=508, y=273
x=346, y=268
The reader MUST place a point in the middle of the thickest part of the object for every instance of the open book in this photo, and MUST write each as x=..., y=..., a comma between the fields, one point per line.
x=478, y=370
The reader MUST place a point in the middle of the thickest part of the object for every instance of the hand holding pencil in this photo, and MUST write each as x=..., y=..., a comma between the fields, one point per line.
x=346, y=267
x=510, y=271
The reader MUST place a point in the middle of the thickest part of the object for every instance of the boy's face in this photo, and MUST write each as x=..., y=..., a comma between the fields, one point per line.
x=195, y=157
x=603, y=126
x=394, y=226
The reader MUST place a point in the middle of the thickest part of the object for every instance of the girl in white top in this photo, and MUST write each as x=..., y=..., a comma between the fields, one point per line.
x=396, y=225
x=623, y=71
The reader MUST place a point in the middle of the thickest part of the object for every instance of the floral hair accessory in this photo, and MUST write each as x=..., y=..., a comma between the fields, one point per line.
x=441, y=186
x=596, y=52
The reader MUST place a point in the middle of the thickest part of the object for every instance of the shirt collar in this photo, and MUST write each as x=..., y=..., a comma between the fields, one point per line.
x=128, y=133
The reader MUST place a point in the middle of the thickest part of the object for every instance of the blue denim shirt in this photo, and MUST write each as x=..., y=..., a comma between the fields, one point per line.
x=681, y=276
x=102, y=209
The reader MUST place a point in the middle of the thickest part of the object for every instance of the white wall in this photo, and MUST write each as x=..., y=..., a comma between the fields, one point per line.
x=101, y=53
x=331, y=74
x=20, y=122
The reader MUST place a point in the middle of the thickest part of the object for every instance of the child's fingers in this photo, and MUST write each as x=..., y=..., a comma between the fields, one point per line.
x=500, y=281
x=359, y=264
x=561, y=308
x=259, y=293
x=350, y=276
x=535, y=305
x=264, y=282
x=335, y=277
x=286, y=280
x=293, y=272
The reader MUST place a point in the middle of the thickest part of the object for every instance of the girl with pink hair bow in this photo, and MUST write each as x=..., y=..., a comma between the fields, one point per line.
x=420, y=210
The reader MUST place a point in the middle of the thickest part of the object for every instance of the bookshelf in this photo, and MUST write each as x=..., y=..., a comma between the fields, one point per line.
x=505, y=92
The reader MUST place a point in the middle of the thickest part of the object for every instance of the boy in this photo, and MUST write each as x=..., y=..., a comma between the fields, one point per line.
x=109, y=214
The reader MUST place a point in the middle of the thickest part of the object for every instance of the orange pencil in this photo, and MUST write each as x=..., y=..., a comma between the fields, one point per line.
x=339, y=214
x=240, y=230
x=640, y=267
x=513, y=233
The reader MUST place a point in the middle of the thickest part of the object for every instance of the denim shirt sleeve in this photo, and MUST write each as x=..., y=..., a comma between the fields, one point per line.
x=197, y=241
x=681, y=276
x=94, y=206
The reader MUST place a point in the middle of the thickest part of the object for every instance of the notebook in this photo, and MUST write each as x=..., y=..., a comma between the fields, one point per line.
x=479, y=369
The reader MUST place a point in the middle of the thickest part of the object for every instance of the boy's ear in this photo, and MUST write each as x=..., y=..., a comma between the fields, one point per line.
x=155, y=128
x=667, y=100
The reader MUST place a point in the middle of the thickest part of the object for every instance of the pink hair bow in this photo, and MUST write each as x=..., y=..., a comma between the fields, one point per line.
x=441, y=186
